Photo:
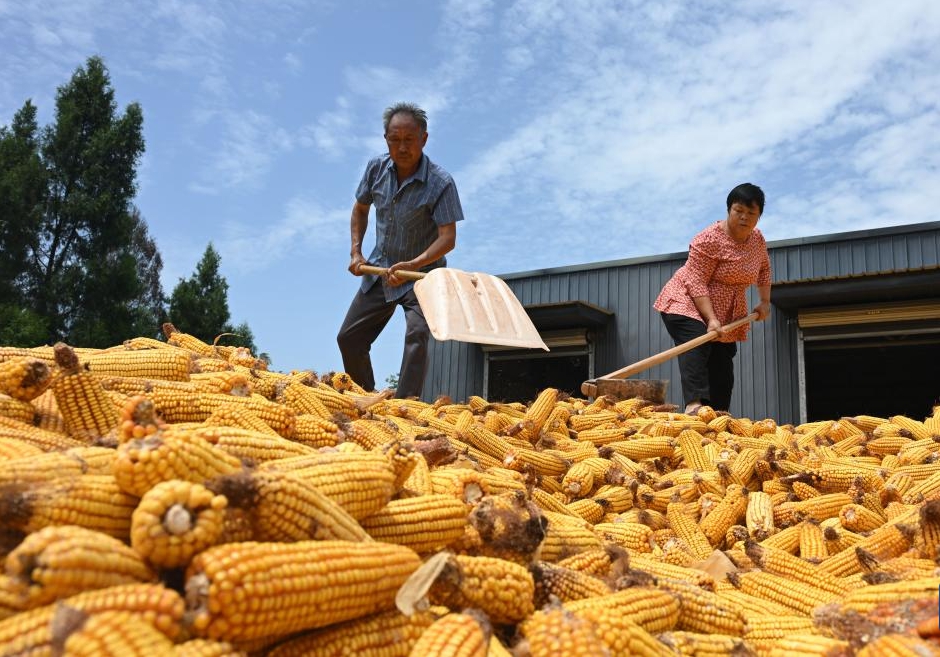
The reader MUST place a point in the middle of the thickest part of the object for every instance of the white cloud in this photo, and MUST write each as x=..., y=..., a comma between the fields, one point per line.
x=305, y=229
x=249, y=146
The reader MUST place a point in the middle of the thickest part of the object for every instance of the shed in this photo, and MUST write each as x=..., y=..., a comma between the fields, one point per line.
x=855, y=329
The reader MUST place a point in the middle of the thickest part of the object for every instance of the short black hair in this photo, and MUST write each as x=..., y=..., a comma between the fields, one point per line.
x=747, y=194
x=418, y=114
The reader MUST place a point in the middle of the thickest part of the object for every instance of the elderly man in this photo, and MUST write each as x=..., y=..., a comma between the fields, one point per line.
x=416, y=215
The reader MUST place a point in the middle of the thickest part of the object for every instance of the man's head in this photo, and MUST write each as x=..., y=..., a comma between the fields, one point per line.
x=748, y=195
x=406, y=127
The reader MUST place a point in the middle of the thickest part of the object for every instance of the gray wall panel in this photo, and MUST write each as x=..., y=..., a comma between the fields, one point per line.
x=766, y=368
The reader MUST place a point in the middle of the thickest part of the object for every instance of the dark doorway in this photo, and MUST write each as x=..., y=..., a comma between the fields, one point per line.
x=520, y=379
x=875, y=375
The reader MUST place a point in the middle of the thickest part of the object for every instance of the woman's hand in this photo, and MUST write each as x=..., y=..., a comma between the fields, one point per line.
x=714, y=324
x=763, y=310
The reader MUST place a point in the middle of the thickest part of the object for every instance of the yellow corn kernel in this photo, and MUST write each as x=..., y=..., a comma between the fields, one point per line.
x=90, y=501
x=426, y=523
x=565, y=584
x=631, y=535
x=759, y=516
x=555, y=630
x=285, y=507
x=809, y=644
x=56, y=562
x=384, y=633
x=801, y=597
x=464, y=634
x=795, y=569
x=898, y=645
x=288, y=587
x=503, y=590
x=24, y=378
x=207, y=648
x=704, y=611
x=696, y=644
x=174, y=521
x=176, y=338
x=142, y=463
x=866, y=598
x=31, y=632
x=85, y=407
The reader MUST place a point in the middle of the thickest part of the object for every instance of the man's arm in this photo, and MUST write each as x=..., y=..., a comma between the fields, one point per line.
x=441, y=246
x=358, y=223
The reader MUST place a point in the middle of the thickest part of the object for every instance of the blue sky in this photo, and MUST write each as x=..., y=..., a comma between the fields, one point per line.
x=577, y=131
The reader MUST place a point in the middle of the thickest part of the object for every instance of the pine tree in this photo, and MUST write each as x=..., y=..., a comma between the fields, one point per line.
x=199, y=305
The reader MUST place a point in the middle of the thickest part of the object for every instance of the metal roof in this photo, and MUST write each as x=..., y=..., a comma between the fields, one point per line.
x=773, y=245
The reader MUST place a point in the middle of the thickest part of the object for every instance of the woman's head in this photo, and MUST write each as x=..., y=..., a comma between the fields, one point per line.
x=747, y=194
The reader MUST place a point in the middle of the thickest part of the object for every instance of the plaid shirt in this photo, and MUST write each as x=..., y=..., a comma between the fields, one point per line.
x=406, y=217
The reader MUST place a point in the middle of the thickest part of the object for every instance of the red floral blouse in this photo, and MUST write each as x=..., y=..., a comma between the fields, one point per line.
x=722, y=269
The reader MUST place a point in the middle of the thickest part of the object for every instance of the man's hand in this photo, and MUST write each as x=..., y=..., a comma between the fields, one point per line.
x=355, y=261
x=394, y=280
x=714, y=324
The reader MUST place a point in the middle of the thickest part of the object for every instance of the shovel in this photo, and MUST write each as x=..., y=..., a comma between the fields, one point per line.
x=469, y=307
x=616, y=385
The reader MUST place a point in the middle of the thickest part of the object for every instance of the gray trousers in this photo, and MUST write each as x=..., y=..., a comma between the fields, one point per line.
x=368, y=314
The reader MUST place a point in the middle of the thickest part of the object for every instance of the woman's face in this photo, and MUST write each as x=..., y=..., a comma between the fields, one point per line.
x=741, y=221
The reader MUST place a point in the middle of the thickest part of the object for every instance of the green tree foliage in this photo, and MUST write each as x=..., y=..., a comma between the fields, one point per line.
x=80, y=266
x=199, y=305
x=22, y=191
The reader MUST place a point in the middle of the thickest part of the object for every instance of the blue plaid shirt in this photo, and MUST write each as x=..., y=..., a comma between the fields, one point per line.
x=406, y=217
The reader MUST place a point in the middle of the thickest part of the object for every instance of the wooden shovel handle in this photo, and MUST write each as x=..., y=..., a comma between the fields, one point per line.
x=401, y=273
x=662, y=357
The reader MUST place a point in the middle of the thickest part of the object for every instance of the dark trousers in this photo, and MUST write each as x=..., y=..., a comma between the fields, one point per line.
x=708, y=370
x=368, y=314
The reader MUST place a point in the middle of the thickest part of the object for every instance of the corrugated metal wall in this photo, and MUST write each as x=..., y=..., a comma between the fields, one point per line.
x=766, y=377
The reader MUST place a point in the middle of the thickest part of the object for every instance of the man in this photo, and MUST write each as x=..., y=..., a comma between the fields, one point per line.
x=416, y=215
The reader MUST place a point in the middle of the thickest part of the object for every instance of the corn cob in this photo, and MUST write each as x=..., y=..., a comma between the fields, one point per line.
x=652, y=609
x=640, y=447
x=799, y=596
x=425, y=524
x=809, y=644
x=866, y=598
x=285, y=507
x=247, y=445
x=31, y=632
x=142, y=463
x=175, y=520
x=565, y=584
x=90, y=501
x=385, y=634
x=361, y=482
x=696, y=644
x=763, y=632
x=59, y=561
x=16, y=410
x=207, y=648
x=647, y=564
x=704, y=611
x=503, y=590
x=12, y=448
x=565, y=536
x=176, y=338
x=83, y=403
x=555, y=630
x=633, y=536
x=751, y=605
x=898, y=645
x=887, y=541
x=784, y=564
x=245, y=591
x=609, y=561
x=165, y=364
x=813, y=547
x=730, y=511
x=315, y=431
x=507, y=526
x=24, y=378
x=464, y=634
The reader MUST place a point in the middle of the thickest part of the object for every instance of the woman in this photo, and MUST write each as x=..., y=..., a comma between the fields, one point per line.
x=708, y=291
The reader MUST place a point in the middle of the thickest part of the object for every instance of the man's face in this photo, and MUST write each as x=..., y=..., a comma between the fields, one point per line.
x=405, y=140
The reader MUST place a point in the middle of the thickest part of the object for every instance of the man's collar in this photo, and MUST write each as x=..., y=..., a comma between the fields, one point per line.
x=421, y=173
